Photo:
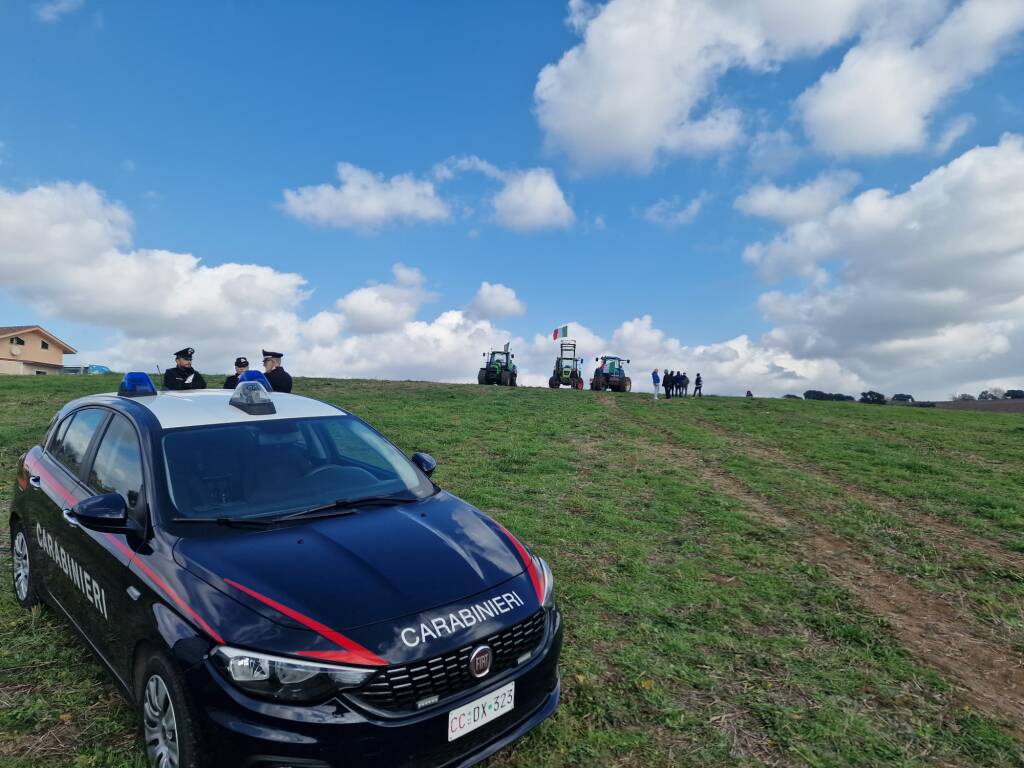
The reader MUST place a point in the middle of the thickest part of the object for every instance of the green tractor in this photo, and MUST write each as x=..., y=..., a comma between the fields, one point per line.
x=499, y=368
x=567, y=368
x=611, y=375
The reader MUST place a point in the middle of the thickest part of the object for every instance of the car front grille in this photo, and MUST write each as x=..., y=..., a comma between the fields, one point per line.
x=398, y=689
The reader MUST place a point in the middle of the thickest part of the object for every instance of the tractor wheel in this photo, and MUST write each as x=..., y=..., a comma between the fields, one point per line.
x=627, y=385
x=515, y=379
x=597, y=383
x=481, y=378
x=554, y=383
x=506, y=379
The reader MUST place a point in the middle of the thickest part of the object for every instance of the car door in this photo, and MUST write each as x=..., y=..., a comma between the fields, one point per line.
x=115, y=466
x=56, y=476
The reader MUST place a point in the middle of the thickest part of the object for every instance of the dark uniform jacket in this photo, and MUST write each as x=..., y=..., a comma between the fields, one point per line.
x=280, y=380
x=231, y=381
x=183, y=378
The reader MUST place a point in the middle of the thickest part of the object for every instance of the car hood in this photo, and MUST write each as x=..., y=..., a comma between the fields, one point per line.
x=347, y=572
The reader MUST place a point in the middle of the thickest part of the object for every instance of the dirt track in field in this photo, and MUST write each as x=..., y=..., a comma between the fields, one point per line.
x=953, y=538
x=985, y=672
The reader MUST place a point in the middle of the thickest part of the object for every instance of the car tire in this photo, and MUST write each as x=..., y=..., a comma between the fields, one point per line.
x=170, y=725
x=22, y=573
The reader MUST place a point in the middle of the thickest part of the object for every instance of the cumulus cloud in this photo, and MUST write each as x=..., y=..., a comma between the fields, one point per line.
x=672, y=213
x=792, y=204
x=385, y=306
x=69, y=254
x=54, y=11
x=496, y=300
x=366, y=201
x=913, y=288
x=887, y=88
x=641, y=84
x=528, y=201
x=531, y=201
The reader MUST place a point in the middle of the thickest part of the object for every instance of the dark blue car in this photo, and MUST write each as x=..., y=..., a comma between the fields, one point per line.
x=273, y=583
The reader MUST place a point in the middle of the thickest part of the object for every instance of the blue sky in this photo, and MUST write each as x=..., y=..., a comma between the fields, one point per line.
x=193, y=119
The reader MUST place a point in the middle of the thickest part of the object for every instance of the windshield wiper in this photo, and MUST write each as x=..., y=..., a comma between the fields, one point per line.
x=344, y=507
x=232, y=522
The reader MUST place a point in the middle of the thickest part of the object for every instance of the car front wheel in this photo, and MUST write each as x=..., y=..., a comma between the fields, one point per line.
x=168, y=723
x=24, y=585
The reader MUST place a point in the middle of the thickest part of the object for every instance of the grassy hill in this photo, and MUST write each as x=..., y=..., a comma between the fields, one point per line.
x=744, y=582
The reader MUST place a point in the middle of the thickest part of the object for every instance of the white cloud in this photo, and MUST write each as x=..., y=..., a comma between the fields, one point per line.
x=496, y=300
x=881, y=98
x=53, y=11
x=385, y=306
x=366, y=201
x=955, y=130
x=912, y=289
x=531, y=201
x=641, y=84
x=528, y=201
x=792, y=204
x=672, y=213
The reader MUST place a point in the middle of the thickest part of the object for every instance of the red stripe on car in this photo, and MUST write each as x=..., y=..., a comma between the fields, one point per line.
x=38, y=469
x=165, y=588
x=527, y=561
x=353, y=653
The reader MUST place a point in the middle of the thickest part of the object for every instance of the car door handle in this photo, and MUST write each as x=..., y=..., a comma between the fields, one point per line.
x=69, y=518
x=35, y=482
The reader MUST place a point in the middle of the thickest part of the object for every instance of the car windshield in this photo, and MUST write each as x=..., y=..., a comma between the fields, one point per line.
x=267, y=468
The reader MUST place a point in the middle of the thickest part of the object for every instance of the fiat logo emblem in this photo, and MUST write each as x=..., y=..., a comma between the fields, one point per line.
x=480, y=661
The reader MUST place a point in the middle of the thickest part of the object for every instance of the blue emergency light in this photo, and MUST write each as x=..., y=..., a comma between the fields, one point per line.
x=256, y=376
x=252, y=394
x=136, y=384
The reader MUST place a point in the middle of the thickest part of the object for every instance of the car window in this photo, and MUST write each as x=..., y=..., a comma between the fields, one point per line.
x=117, y=467
x=72, y=443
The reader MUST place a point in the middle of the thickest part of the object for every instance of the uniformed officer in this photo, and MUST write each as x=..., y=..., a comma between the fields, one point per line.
x=280, y=380
x=241, y=366
x=182, y=376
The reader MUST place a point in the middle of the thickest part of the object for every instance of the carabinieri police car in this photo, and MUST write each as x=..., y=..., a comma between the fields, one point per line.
x=275, y=584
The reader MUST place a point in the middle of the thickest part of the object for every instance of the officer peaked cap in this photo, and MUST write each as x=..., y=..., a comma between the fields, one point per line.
x=185, y=354
x=241, y=362
x=275, y=355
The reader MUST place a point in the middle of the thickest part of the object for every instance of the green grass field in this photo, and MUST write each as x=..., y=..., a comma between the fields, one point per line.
x=744, y=582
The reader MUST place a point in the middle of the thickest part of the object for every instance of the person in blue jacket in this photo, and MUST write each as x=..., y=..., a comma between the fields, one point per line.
x=657, y=381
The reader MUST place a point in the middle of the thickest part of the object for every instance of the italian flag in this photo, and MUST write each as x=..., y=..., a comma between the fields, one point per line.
x=560, y=333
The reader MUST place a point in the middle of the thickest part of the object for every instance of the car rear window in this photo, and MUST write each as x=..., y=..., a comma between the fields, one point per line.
x=73, y=440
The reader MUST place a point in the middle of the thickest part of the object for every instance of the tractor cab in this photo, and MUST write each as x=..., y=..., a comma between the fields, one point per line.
x=611, y=374
x=498, y=368
x=567, y=370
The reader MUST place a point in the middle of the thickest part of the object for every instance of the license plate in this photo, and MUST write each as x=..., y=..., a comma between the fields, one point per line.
x=481, y=711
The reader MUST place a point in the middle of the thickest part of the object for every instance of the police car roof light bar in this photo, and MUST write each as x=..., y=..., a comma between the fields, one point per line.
x=256, y=376
x=136, y=384
x=252, y=396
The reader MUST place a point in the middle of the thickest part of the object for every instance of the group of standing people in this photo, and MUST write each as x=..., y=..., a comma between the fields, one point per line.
x=676, y=383
x=184, y=376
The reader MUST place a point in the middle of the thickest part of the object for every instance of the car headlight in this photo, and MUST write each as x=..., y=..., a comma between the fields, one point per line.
x=285, y=679
x=547, y=580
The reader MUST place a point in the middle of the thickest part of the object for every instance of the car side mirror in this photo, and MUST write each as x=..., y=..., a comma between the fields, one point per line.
x=106, y=512
x=425, y=462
